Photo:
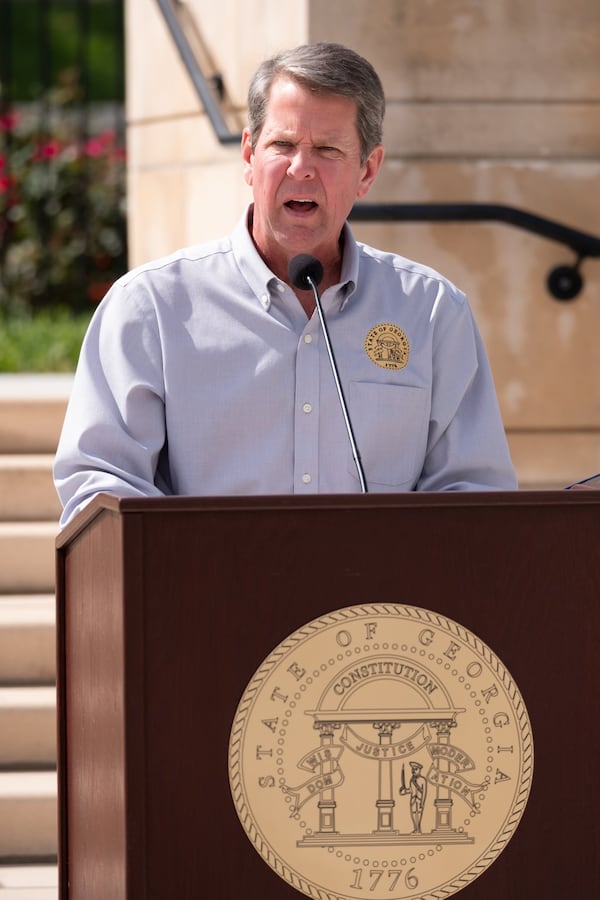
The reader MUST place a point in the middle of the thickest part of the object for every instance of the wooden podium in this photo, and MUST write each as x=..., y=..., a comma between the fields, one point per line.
x=166, y=608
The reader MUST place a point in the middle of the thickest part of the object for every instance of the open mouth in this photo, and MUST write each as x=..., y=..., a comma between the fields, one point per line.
x=301, y=206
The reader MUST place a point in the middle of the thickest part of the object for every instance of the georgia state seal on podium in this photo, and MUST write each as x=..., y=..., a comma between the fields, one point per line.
x=381, y=751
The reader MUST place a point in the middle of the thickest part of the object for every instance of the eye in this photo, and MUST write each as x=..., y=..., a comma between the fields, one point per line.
x=326, y=150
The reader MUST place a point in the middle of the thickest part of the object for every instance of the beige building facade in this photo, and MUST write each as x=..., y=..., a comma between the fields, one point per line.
x=489, y=101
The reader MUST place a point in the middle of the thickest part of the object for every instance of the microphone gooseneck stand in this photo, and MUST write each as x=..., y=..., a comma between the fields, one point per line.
x=306, y=272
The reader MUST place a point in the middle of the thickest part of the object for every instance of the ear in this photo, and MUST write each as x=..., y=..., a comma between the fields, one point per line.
x=370, y=170
x=247, y=155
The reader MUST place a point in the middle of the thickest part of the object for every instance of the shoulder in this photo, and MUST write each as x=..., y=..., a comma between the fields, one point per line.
x=411, y=277
x=192, y=258
x=168, y=281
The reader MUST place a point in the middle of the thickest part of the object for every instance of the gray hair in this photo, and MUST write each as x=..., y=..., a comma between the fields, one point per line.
x=325, y=68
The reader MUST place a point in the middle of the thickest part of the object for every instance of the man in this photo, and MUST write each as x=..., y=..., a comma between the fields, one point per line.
x=206, y=372
x=417, y=788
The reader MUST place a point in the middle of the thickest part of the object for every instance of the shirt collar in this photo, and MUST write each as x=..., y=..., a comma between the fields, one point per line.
x=250, y=262
x=262, y=280
x=350, y=261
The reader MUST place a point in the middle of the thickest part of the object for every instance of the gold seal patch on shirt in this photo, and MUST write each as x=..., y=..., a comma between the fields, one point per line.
x=387, y=346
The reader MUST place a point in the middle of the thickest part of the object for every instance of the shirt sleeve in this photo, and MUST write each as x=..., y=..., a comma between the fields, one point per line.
x=114, y=428
x=466, y=447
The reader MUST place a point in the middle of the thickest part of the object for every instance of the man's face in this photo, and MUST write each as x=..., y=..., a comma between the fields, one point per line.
x=305, y=173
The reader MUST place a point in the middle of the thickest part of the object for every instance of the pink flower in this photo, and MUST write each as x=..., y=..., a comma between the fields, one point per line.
x=93, y=147
x=8, y=121
x=102, y=144
x=49, y=150
x=107, y=137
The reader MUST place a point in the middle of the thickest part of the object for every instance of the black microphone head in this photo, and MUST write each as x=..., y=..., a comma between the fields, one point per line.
x=302, y=268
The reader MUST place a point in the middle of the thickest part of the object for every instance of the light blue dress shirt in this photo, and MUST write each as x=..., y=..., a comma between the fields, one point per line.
x=200, y=374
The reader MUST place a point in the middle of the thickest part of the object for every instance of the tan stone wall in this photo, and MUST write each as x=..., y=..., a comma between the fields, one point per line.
x=184, y=187
x=494, y=101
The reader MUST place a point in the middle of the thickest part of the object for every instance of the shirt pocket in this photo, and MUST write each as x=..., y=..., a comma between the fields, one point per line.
x=390, y=426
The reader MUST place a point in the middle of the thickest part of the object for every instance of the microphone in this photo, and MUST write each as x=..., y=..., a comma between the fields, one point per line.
x=306, y=273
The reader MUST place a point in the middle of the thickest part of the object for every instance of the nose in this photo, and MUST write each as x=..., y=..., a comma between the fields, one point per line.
x=301, y=164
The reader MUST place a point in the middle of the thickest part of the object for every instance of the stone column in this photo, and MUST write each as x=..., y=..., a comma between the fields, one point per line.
x=443, y=799
x=327, y=803
x=385, y=800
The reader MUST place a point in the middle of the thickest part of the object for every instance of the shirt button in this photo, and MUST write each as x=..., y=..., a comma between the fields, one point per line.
x=307, y=408
x=306, y=478
x=308, y=338
x=280, y=287
x=265, y=300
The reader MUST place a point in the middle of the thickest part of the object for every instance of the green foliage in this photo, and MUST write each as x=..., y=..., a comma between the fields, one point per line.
x=76, y=33
x=49, y=341
x=62, y=206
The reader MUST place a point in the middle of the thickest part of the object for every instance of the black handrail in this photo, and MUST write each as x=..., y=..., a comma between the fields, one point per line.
x=564, y=282
x=201, y=84
x=581, y=243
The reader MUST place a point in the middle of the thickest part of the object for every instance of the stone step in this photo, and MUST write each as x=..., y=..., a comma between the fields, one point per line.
x=27, y=727
x=27, y=490
x=27, y=639
x=33, y=882
x=28, y=816
x=32, y=410
x=27, y=557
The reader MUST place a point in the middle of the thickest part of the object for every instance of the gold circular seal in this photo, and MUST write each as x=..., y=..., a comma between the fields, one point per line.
x=387, y=346
x=380, y=751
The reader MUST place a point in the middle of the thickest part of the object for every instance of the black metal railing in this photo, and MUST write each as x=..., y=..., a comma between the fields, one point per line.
x=564, y=282
x=210, y=90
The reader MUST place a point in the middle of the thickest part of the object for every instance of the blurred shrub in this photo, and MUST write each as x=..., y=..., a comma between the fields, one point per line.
x=47, y=341
x=62, y=207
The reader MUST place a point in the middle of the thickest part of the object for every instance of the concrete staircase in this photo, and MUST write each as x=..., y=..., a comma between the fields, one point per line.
x=31, y=414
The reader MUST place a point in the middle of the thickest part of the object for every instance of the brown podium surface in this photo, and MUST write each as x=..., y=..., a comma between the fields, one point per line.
x=166, y=608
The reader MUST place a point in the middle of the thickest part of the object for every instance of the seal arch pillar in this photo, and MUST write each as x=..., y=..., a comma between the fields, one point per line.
x=443, y=801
